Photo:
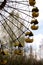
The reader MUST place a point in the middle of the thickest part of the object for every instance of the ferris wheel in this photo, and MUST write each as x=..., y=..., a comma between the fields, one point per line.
x=17, y=20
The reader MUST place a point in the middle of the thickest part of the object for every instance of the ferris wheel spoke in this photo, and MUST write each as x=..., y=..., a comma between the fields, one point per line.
x=23, y=32
x=17, y=20
x=11, y=31
x=24, y=10
x=13, y=23
x=8, y=26
x=19, y=11
x=16, y=1
x=6, y=30
x=19, y=2
x=23, y=19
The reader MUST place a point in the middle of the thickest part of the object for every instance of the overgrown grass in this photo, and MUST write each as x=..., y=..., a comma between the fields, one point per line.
x=22, y=60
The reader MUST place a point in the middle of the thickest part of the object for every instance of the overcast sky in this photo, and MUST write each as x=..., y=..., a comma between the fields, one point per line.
x=38, y=35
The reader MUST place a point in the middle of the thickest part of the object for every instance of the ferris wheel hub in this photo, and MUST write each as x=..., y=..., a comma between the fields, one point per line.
x=2, y=4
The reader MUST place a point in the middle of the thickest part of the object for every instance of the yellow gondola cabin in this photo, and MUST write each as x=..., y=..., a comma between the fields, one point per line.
x=35, y=9
x=35, y=14
x=3, y=62
x=32, y=2
x=33, y=27
x=29, y=33
x=28, y=40
x=18, y=52
x=35, y=21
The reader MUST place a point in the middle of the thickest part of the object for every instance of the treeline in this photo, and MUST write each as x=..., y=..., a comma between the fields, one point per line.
x=22, y=60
